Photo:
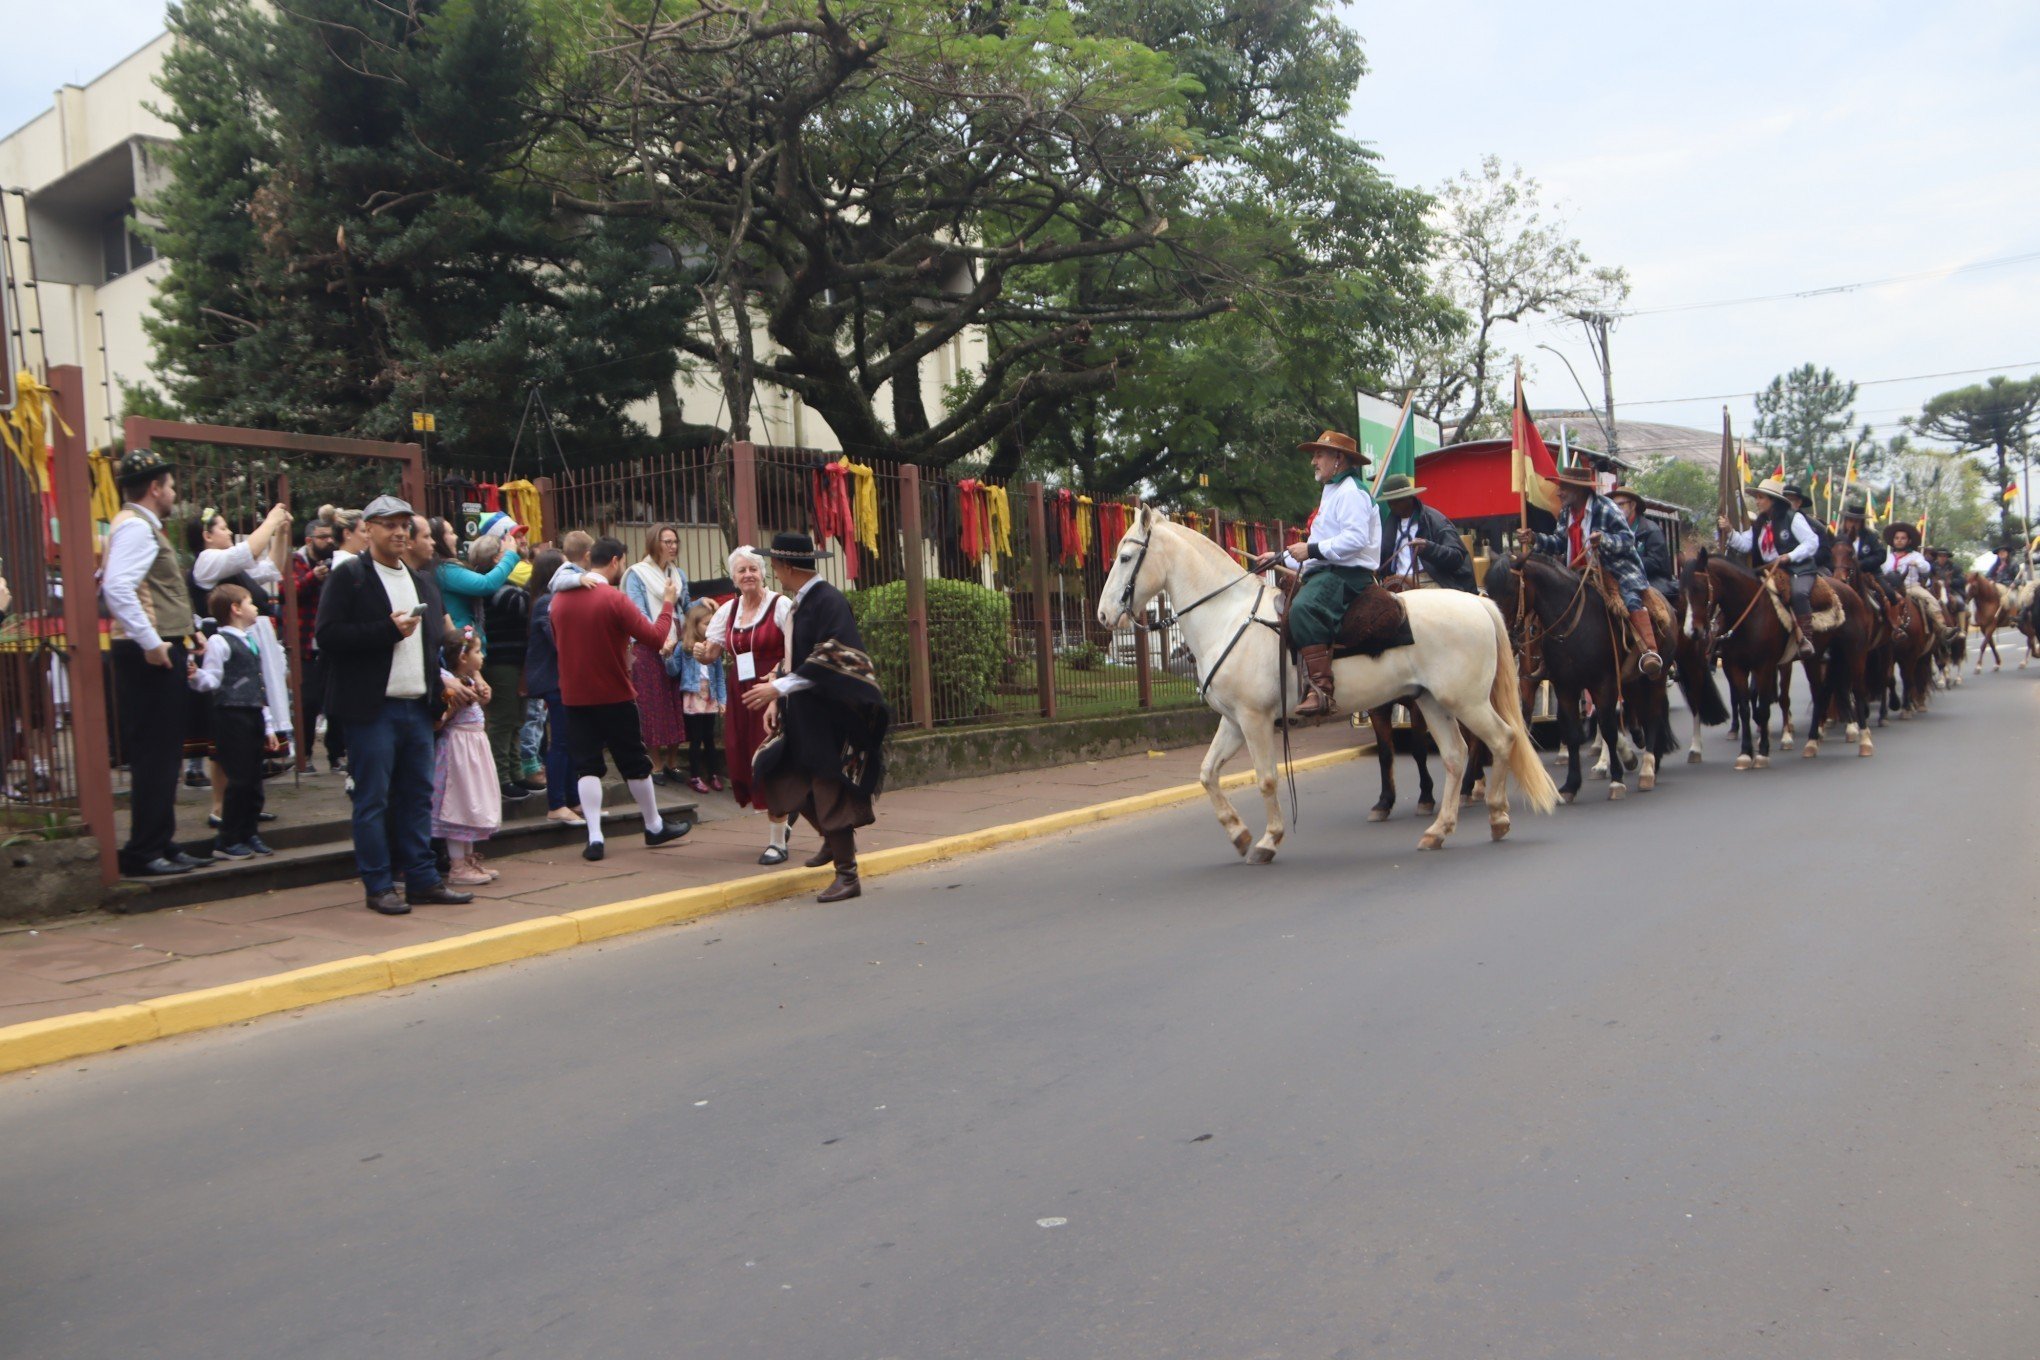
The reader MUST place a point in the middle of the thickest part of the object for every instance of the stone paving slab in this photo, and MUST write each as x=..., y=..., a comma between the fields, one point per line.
x=90, y=962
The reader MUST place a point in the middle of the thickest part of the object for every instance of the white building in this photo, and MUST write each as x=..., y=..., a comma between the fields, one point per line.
x=84, y=166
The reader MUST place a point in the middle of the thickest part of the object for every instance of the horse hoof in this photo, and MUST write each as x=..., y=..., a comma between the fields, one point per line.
x=1785, y=744
x=1744, y=763
x=1853, y=733
x=1567, y=797
x=1866, y=750
x=1810, y=751
x=1262, y=855
x=1617, y=792
x=1479, y=790
x=1427, y=809
x=1431, y=840
x=1241, y=841
x=1499, y=830
x=1692, y=757
x=1763, y=762
x=1646, y=782
x=1377, y=814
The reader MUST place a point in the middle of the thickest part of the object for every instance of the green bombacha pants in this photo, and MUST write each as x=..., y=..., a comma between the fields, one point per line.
x=1320, y=604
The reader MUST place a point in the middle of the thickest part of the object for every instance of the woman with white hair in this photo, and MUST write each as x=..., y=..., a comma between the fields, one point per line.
x=754, y=631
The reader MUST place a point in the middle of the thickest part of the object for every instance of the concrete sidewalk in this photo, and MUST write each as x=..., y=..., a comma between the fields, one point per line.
x=92, y=962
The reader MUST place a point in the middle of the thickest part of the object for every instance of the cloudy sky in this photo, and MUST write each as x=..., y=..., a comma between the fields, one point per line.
x=1732, y=151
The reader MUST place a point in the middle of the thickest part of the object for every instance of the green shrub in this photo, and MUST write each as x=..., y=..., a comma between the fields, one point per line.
x=968, y=628
x=1085, y=656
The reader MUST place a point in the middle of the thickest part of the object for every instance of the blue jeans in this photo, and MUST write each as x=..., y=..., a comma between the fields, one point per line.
x=559, y=761
x=529, y=736
x=390, y=757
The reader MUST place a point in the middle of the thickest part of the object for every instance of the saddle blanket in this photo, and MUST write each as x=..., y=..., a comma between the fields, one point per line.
x=1376, y=621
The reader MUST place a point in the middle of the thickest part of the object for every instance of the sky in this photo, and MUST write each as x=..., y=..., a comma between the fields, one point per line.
x=1721, y=152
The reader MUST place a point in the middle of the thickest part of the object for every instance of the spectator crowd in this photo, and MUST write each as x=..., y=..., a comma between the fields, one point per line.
x=451, y=678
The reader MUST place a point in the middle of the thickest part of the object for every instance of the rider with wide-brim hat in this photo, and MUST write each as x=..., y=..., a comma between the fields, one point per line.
x=1591, y=524
x=1652, y=548
x=1337, y=562
x=1908, y=570
x=1868, y=547
x=1780, y=532
x=1416, y=537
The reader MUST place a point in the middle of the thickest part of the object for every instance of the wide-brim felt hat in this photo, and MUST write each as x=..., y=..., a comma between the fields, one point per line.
x=1585, y=478
x=797, y=549
x=1331, y=441
x=1795, y=489
x=1396, y=487
x=1626, y=493
x=1855, y=502
x=1771, y=487
x=1912, y=532
x=138, y=463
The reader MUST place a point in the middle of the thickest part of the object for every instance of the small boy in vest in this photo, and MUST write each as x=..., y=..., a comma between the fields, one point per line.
x=243, y=729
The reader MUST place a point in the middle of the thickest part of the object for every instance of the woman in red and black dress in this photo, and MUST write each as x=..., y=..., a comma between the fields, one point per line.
x=752, y=631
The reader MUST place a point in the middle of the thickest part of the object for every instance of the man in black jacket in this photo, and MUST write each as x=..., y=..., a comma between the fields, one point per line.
x=381, y=628
x=1659, y=567
x=826, y=762
x=1416, y=537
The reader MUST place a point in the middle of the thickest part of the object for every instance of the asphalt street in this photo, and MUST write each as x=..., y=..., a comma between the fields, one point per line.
x=1745, y=1066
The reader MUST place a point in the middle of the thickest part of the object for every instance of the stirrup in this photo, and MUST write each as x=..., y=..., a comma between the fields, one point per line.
x=1647, y=660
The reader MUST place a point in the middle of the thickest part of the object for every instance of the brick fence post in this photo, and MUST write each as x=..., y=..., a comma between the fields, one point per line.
x=744, y=472
x=920, y=681
x=91, y=742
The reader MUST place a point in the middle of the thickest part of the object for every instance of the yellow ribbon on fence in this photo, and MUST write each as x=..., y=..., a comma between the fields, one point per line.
x=998, y=519
x=26, y=429
x=521, y=500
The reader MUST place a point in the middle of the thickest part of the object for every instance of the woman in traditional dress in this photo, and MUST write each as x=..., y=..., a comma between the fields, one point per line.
x=752, y=631
x=658, y=694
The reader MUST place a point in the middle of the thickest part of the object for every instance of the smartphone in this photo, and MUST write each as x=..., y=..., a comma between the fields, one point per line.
x=418, y=612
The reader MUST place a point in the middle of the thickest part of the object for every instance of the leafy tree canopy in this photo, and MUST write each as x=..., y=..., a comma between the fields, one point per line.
x=1803, y=419
x=1994, y=417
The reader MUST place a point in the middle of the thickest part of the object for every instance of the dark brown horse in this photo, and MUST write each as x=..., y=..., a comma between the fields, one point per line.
x=1740, y=625
x=1834, y=656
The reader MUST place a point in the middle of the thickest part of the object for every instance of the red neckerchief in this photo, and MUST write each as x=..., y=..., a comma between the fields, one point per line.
x=1576, y=532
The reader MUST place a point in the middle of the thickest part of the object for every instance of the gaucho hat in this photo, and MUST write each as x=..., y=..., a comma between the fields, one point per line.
x=1584, y=478
x=796, y=550
x=1627, y=493
x=1331, y=441
x=1771, y=487
x=1855, y=503
x=1396, y=487
x=1911, y=532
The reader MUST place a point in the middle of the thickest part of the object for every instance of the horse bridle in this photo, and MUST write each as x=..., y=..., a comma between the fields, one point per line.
x=1176, y=616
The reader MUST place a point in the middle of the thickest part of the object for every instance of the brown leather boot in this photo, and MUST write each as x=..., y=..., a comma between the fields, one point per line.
x=1650, y=662
x=845, y=887
x=1317, y=670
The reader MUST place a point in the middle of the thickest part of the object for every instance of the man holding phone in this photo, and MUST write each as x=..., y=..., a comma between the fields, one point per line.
x=381, y=632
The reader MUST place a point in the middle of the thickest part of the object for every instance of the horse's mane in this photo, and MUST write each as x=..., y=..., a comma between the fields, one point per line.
x=1550, y=563
x=1204, y=544
x=1734, y=570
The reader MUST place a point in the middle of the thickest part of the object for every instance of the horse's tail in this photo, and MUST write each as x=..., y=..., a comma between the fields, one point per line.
x=1703, y=693
x=1526, y=767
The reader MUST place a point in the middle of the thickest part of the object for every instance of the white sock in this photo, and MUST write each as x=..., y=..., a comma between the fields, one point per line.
x=590, y=788
x=647, y=803
x=780, y=831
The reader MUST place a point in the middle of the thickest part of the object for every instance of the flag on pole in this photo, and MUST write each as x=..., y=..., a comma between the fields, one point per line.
x=1402, y=448
x=1529, y=460
x=1733, y=473
x=2011, y=492
x=1850, y=480
x=1890, y=500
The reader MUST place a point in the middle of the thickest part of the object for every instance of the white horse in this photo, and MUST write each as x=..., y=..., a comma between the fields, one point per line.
x=1461, y=669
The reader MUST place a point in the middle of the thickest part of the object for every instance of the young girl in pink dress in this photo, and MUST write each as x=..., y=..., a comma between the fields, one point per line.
x=467, y=802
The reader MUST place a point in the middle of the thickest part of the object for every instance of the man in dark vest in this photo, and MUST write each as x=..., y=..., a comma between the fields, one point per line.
x=142, y=586
x=1651, y=545
x=1824, y=555
x=826, y=761
x=1780, y=531
x=1415, y=538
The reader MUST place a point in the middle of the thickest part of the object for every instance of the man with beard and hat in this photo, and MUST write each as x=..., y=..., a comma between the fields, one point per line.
x=1337, y=562
x=1416, y=538
x=1907, y=571
x=1780, y=532
x=825, y=760
x=1589, y=522
x=144, y=591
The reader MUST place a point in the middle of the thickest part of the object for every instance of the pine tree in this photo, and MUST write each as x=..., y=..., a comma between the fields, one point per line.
x=354, y=234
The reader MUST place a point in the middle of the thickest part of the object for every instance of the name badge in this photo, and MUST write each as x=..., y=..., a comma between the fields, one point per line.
x=747, y=667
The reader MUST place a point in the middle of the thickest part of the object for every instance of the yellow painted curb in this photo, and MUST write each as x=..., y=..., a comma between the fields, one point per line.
x=236, y=1001
x=480, y=948
x=62, y=1037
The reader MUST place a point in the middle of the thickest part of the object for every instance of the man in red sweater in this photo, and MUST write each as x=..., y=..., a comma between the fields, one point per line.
x=592, y=631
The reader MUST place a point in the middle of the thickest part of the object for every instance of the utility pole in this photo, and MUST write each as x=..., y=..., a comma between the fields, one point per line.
x=1597, y=325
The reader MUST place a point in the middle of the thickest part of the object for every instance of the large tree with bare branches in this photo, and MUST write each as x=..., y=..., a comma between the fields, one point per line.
x=863, y=183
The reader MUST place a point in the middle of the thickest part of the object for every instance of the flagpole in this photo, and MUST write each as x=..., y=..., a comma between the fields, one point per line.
x=1395, y=436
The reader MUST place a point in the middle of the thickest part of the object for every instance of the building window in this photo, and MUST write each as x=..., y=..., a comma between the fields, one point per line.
x=121, y=249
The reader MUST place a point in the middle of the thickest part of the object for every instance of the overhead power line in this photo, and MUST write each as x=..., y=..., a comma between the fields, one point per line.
x=1833, y=289
x=1866, y=382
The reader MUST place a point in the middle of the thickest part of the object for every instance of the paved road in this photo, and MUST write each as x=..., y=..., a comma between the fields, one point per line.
x=1744, y=1067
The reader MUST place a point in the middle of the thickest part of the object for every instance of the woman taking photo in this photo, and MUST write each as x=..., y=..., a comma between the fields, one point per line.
x=752, y=631
x=217, y=560
x=658, y=694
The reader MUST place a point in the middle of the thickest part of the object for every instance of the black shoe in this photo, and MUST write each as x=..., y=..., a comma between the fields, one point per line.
x=265, y=816
x=244, y=850
x=438, y=895
x=212, y=819
x=670, y=832
x=160, y=867
x=193, y=779
x=515, y=793
x=530, y=787
x=388, y=903
x=592, y=851
x=774, y=854
x=191, y=860
x=259, y=846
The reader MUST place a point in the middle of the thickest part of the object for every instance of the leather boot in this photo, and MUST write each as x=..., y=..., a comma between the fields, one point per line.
x=845, y=887
x=1317, y=670
x=1650, y=662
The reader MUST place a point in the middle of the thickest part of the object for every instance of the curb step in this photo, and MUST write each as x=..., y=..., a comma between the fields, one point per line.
x=323, y=852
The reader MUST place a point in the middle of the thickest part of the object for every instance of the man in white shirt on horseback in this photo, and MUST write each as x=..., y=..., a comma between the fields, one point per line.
x=1337, y=562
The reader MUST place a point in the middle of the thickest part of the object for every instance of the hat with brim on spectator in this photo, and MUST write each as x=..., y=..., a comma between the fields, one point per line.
x=796, y=550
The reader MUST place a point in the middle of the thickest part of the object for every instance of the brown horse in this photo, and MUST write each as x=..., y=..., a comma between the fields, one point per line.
x=1903, y=640
x=1743, y=628
x=1835, y=655
x=1996, y=606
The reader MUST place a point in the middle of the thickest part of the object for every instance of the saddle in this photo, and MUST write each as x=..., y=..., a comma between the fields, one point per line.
x=1827, y=606
x=1375, y=622
x=1628, y=646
